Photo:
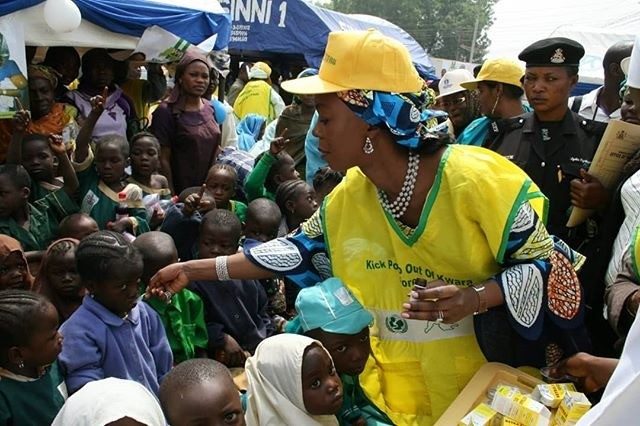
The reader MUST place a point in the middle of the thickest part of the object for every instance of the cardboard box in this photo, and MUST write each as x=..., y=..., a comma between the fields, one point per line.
x=482, y=415
x=521, y=408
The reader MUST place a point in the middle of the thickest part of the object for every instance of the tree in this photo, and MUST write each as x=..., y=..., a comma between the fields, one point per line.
x=444, y=27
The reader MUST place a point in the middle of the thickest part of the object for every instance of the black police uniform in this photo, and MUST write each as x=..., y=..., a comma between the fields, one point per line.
x=552, y=154
x=551, y=163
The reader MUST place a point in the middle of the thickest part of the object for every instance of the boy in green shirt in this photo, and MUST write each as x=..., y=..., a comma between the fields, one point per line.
x=329, y=313
x=35, y=225
x=271, y=169
x=183, y=315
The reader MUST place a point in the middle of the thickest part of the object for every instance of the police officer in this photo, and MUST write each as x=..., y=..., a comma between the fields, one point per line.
x=553, y=144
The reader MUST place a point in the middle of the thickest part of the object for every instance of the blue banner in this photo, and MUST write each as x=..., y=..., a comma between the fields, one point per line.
x=297, y=27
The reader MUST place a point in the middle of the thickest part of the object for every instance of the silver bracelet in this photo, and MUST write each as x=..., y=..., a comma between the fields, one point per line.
x=221, y=268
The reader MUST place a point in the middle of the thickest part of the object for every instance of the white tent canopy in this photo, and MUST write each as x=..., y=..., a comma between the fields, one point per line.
x=596, y=41
x=38, y=33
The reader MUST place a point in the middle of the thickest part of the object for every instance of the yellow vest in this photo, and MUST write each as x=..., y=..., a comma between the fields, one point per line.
x=418, y=368
x=255, y=98
x=133, y=88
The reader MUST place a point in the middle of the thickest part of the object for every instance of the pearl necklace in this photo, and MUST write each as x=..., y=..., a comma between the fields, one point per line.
x=400, y=204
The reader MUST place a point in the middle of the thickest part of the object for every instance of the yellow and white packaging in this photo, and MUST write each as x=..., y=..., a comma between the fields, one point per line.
x=482, y=415
x=551, y=395
x=521, y=408
x=573, y=407
x=509, y=422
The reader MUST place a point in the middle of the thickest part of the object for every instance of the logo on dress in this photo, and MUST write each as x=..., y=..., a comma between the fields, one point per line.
x=558, y=57
x=396, y=324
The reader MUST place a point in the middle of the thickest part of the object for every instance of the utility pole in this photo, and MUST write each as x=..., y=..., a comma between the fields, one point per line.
x=473, y=41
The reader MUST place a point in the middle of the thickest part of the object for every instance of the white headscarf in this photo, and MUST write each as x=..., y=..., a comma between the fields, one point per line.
x=104, y=401
x=274, y=374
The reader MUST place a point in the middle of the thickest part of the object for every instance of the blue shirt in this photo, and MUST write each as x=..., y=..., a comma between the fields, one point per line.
x=314, y=158
x=99, y=344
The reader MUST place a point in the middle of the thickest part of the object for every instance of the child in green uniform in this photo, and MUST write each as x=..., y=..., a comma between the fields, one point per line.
x=103, y=177
x=35, y=225
x=145, y=162
x=221, y=185
x=32, y=389
x=35, y=154
x=183, y=316
x=271, y=169
x=329, y=313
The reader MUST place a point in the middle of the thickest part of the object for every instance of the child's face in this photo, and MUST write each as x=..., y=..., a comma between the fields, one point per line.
x=84, y=227
x=12, y=198
x=110, y=163
x=63, y=276
x=215, y=241
x=261, y=229
x=145, y=157
x=37, y=158
x=287, y=170
x=118, y=295
x=214, y=403
x=222, y=185
x=321, y=386
x=13, y=272
x=304, y=204
x=349, y=352
x=45, y=343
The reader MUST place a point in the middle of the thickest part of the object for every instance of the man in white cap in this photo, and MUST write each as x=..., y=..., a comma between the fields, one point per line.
x=456, y=101
x=258, y=97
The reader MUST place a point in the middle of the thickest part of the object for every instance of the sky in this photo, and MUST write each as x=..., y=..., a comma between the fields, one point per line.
x=541, y=17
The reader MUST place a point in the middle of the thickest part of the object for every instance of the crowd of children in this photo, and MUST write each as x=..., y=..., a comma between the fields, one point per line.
x=83, y=230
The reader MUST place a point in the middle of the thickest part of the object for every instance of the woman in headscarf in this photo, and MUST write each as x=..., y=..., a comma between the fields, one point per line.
x=99, y=72
x=186, y=127
x=250, y=130
x=111, y=402
x=296, y=119
x=48, y=117
x=413, y=209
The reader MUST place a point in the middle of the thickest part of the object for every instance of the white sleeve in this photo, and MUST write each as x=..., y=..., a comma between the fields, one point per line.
x=229, y=136
x=277, y=102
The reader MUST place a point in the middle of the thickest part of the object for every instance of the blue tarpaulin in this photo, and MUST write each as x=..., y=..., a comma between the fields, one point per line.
x=132, y=17
x=297, y=27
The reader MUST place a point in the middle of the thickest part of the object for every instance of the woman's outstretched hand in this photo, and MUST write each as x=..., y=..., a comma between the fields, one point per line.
x=168, y=281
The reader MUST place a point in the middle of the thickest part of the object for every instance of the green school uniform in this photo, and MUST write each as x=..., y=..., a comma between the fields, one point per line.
x=254, y=184
x=28, y=401
x=355, y=405
x=240, y=209
x=100, y=202
x=41, y=189
x=183, y=321
x=44, y=216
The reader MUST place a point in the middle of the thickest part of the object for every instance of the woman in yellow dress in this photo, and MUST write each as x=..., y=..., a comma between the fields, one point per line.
x=411, y=207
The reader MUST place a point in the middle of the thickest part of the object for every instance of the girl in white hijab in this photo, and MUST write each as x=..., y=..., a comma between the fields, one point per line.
x=292, y=381
x=111, y=402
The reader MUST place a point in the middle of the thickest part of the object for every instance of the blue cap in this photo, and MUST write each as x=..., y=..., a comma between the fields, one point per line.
x=331, y=307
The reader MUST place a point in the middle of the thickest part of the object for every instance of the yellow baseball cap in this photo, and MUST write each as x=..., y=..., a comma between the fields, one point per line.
x=365, y=60
x=502, y=70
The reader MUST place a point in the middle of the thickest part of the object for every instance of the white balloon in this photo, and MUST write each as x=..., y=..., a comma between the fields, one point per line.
x=62, y=16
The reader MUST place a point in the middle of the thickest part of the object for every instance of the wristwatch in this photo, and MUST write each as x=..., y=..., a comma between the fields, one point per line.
x=482, y=298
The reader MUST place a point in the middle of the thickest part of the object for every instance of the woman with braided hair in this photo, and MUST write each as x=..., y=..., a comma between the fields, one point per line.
x=412, y=209
x=111, y=334
x=32, y=389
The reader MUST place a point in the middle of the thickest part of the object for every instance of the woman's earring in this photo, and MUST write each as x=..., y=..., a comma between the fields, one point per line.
x=368, y=146
x=20, y=364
